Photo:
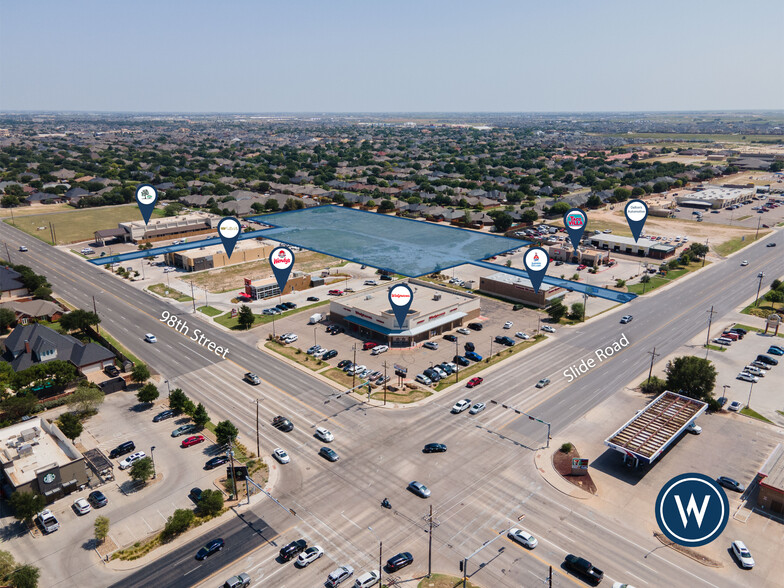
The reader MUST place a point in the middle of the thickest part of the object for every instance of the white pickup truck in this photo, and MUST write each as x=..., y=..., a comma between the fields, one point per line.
x=48, y=521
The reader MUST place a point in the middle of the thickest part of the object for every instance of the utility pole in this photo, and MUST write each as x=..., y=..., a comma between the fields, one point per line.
x=354, y=367
x=759, y=287
x=585, y=304
x=258, y=446
x=193, y=296
x=233, y=481
x=385, y=382
x=706, y=254
x=95, y=310
x=654, y=355
x=431, y=524
x=457, y=365
x=748, y=404
x=550, y=577
x=380, y=547
x=51, y=233
x=759, y=221
x=710, y=321
x=7, y=252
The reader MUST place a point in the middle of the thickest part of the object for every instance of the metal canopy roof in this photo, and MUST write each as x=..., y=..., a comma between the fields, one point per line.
x=654, y=428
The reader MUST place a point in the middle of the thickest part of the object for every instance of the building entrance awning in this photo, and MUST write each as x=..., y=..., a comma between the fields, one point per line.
x=408, y=332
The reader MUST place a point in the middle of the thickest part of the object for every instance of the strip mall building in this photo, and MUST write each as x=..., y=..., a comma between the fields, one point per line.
x=434, y=310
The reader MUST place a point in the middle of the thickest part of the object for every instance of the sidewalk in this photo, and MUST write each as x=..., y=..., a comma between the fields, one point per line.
x=543, y=460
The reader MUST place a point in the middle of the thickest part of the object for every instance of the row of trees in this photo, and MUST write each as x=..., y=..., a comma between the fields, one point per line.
x=225, y=431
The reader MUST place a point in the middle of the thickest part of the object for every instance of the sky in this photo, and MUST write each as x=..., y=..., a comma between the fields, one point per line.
x=383, y=56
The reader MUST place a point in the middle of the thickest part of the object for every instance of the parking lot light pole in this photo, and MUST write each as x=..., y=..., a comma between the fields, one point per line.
x=314, y=336
x=724, y=389
x=152, y=457
x=353, y=368
x=748, y=404
x=168, y=388
x=457, y=365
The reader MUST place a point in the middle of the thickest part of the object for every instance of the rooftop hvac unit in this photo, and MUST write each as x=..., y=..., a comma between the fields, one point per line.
x=24, y=450
x=368, y=297
x=436, y=296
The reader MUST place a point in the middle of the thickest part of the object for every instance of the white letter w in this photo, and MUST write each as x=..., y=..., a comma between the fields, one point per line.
x=692, y=508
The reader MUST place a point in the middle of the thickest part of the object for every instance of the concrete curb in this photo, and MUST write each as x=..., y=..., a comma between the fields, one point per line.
x=544, y=465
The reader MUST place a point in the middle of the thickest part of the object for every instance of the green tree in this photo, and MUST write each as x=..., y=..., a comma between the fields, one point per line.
x=245, y=317
x=685, y=258
x=141, y=470
x=177, y=400
x=86, y=399
x=691, y=376
x=775, y=296
x=189, y=407
x=7, y=564
x=172, y=209
x=42, y=293
x=577, y=311
x=226, y=432
x=502, y=221
x=529, y=216
x=78, y=320
x=200, y=416
x=25, y=576
x=177, y=523
x=272, y=205
x=19, y=405
x=211, y=502
x=655, y=386
x=559, y=209
x=70, y=425
x=147, y=393
x=556, y=311
x=698, y=250
x=140, y=373
x=593, y=201
x=645, y=279
x=101, y=527
x=26, y=505
x=619, y=283
x=622, y=194
x=7, y=319
x=386, y=206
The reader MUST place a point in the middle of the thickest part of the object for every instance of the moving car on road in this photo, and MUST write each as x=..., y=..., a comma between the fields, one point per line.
x=477, y=408
x=343, y=573
x=461, y=405
x=473, y=382
x=150, y=338
x=252, y=378
x=542, y=383
x=367, y=580
x=419, y=489
x=399, y=561
x=239, y=581
x=283, y=424
x=583, y=567
x=308, y=556
x=281, y=455
x=328, y=454
x=288, y=552
x=324, y=434
x=213, y=546
x=626, y=319
x=434, y=448
x=523, y=538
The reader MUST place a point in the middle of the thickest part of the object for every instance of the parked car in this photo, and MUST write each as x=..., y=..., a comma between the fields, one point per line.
x=252, y=378
x=288, y=552
x=122, y=449
x=81, y=506
x=215, y=462
x=343, y=573
x=111, y=371
x=423, y=379
x=434, y=448
x=162, y=416
x=463, y=331
x=775, y=350
x=461, y=405
x=743, y=554
x=399, y=561
x=477, y=408
x=48, y=521
x=747, y=377
x=324, y=435
x=97, y=499
x=213, y=546
x=521, y=335
x=730, y=484
x=281, y=455
x=469, y=346
x=183, y=430
x=460, y=360
x=474, y=382
x=432, y=374
x=430, y=345
x=379, y=349
x=312, y=299
x=131, y=459
x=473, y=356
x=548, y=329
x=734, y=406
x=451, y=338
x=508, y=324
x=329, y=354
x=328, y=454
x=694, y=428
x=475, y=326
x=308, y=556
x=523, y=538
x=368, y=345
x=195, y=494
x=191, y=441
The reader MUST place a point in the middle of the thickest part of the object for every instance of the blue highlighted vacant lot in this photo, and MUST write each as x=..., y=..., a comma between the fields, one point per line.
x=403, y=246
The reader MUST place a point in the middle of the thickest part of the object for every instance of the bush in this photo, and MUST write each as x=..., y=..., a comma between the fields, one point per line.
x=566, y=447
x=655, y=386
x=177, y=523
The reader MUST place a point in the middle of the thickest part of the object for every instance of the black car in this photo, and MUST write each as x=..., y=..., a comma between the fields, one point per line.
x=111, y=371
x=503, y=340
x=451, y=338
x=281, y=307
x=215, y=462
x=283, y=424
x=432, y=374
x=122, y=449
x=212, y=547
x=447, y=368
x=343, y=363
x=312, y=299
x=722, y=400
x=337, y=329
x=328, y=454
x=162, y=416
x=730, y=484
x=434, y=448
x=329, y=354
x=469, y=346
x=289, y=305
x=475, y=326
x=290, y=551
x=399, y=561
x=385, y=278
x=767, y=360
x=195, y=494
x=739, y=330
x=460, y=360
x=770, y=245
x=97, y=499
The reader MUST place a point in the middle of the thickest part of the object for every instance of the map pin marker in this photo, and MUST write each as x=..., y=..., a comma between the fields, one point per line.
x=575, y=222
x=229, y=232
x=636, y=212
x=146, y=197
x=400, y=297
x=281, y=260
x=536, y=261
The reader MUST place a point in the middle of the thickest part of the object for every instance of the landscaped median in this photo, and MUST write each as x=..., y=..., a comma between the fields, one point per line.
x=475, y=368
x=297, y=355
x=444, y=581
x=262, y=319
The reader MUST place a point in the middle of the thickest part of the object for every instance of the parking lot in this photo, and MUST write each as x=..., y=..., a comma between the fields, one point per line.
x=744, y=215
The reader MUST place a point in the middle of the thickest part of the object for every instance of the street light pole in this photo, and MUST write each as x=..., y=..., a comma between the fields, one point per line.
x=354, y=367
x=258, y=446
x=168, y=388
x=759, y=287
x=748, y=404
x=380, y=557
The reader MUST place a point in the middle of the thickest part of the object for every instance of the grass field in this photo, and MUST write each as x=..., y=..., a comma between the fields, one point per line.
x=715, y=348
x=297, y=355
x=735, y=244
x=209, y=310
x=342, y=378
x=658, y=281
x=621, y=229
x=263, y=319
x=72, y=225
x=166, y=292
x=409, y=397
x=749, y=412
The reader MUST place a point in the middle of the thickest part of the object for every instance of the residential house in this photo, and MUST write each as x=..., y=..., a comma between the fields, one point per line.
x=34, y=310
x=11, y=285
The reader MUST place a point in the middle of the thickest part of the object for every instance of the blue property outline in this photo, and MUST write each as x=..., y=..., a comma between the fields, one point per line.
x=621, y=297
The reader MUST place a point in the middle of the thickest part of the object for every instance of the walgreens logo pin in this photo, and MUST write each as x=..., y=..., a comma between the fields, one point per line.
x=575, y=221
x=400, y=298
x=229, y=232
x=536, y=261
x=281, y=261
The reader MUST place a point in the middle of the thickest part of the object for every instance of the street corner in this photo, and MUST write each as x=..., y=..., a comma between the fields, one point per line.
x=544, y=460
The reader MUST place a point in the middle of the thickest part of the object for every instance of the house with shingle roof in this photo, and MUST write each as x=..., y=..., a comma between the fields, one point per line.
x=11, y=285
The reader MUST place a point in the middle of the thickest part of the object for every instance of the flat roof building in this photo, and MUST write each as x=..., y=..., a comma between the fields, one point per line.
x=160, y=229
x=434, y=310
x=771, y=482
x=203, y=258
x=584, y=255
x=715, y=197
x=35, y=456
x=519, y=289
x=642, y=247
x=297, y=282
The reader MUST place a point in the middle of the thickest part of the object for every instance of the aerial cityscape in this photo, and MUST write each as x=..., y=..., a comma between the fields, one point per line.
x=431, y=296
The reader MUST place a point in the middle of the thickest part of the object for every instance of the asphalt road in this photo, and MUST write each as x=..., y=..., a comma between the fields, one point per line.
x=480, y=487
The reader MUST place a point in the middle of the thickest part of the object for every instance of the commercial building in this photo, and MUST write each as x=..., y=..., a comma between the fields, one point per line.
x=204, y=258
x=35, y=456
x=519, y=289
x=771, y=482
x=715, y=197
x=160, y=229
x=584, y=255
x=642, y=247
x=434, y=310
x=297, y=282
x=650, y=432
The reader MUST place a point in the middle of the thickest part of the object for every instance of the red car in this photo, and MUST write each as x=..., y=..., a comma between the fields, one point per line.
x=369, y=345
x=195, y=440
x=581, y=267
x=474, y=382
x=335, y=292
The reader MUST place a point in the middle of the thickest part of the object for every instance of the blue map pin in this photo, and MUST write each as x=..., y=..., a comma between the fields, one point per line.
x=575, y=221
x=281, y=260
x=636, y=212
x=229, y=232
x=400, y=297
x=536, y=261
x=146, y=197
